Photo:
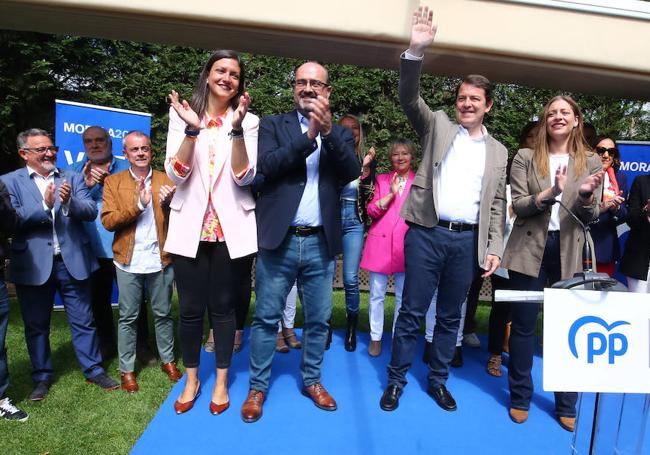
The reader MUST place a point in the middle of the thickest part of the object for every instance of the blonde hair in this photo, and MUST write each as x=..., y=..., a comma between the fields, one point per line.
x=361, y=147
x=577, y=145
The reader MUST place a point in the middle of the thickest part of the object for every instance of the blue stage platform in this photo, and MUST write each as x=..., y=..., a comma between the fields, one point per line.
x=291, y=424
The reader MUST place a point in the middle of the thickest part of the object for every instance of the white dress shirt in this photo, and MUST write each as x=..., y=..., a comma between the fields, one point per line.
x=460, y=178
x=146, y=252
x=42, y=183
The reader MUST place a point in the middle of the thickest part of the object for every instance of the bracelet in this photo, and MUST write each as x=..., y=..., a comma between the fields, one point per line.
x=236, y=133
x=190, y=132
x=585, y=195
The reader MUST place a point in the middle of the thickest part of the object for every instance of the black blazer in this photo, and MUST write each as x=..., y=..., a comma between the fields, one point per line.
x=282, y=151
x=603, y=230
x=636, y=257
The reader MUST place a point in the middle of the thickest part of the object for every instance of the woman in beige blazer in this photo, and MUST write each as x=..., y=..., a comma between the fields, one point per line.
x=546, y=243
x=211, y=156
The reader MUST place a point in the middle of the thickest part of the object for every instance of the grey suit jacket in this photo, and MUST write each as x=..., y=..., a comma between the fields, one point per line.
x=436, y=133
x=525, y=248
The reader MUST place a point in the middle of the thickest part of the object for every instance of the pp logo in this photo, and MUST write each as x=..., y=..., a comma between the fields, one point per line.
x=614, y=345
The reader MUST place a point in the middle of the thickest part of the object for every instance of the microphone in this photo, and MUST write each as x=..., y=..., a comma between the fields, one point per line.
x=588, y=279
x=587, y=264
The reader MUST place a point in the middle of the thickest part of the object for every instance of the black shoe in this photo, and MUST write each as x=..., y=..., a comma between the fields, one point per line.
x=442, y=396
x=390, y=399
x=457, y=361
x=351, y=332
x=41, y=389
x=428, y=349
x=329, y=335
x=104, y=381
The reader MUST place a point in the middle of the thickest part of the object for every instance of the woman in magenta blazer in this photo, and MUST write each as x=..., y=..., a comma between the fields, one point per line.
x=383, y=254
x=211, y=156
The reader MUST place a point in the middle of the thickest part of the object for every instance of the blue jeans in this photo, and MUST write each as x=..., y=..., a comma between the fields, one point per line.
x=307, y=260
x=4, y=323
x=434, y=258
x=352, y=248
x=522, y=332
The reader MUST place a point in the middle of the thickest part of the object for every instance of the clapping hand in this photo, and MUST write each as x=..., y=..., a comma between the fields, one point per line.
x=560, y=180
x=93, y=175
x=184, y=111
x=48, y=196
x=166, y=194
x=591, y=183
x=394, y=184
x=423, y=31
x=320, y=117
x=145, y=192
x=240, y=112
x=65, y=191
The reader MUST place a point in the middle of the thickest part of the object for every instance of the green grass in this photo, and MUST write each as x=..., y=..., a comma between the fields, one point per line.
x=78, y=418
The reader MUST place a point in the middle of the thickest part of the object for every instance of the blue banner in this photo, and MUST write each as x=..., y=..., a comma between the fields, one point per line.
x=635, y=160
x=72, y=119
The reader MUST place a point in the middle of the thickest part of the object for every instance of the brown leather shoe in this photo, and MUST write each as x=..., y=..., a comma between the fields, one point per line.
x=251, y=410
x=172, y=372
x=374, y=348
x=181, y=407
x=129, y=384
x=291, y=339
x=321, y=398
x=568, y=423
x=280, y=345
x=518, y=415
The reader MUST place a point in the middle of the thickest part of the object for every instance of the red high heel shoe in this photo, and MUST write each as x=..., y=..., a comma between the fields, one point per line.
x=180, y=408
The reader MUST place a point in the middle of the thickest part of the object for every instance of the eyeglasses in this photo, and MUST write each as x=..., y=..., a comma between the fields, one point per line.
x=144, y=148
x=50, y=148
x=610, y=150
x=315, y=83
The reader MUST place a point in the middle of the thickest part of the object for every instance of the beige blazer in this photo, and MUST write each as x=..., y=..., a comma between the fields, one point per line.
x=436, y=133
x=231, y=194
x=525, y=247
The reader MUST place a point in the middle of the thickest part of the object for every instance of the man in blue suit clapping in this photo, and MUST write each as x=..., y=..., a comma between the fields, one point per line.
x=51, y=251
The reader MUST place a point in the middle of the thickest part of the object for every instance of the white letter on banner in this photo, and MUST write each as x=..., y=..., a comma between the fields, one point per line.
x=68, y=156
x=68, y=127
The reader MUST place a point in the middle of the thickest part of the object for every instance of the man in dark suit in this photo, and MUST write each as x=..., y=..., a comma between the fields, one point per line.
x=456, y=215
x=636, y=258
x=305, y=160
x=51, y=251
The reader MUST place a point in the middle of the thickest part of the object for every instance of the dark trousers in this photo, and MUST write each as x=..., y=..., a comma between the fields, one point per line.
x=244, y=301
x=101, y=290
x=522, y=332
x=499, y=316
x=214, y=281
x=472, y=304
x=435, y=258
x=36, y=309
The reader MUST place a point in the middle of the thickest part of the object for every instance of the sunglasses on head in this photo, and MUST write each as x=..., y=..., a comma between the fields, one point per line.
x=610, y=150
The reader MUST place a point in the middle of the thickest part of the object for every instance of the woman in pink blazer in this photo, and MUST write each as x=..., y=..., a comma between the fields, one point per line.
x=383, y=254
x=211, y=156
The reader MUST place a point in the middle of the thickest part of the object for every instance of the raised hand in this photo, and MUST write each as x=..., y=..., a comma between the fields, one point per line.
x=65, y=191
x=166, y=194
x=48, y=197
x=560, y=180
x=93, y=175
x=423, y=31
x=184, y=111
x=145, y=192
x=240, y=112
x=369, y=158
x=591, y=182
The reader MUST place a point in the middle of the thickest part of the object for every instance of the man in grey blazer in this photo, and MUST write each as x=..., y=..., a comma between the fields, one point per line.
x=455, y=211
x=51, y=251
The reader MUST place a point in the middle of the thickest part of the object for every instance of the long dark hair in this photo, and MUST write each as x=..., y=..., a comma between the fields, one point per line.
x=199, y=102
